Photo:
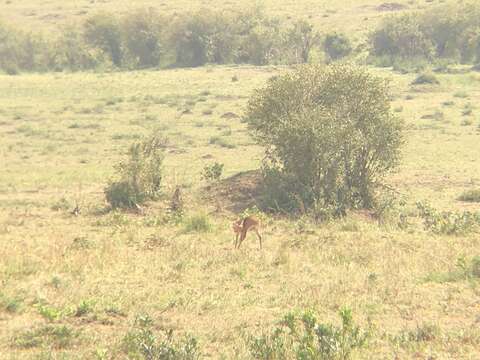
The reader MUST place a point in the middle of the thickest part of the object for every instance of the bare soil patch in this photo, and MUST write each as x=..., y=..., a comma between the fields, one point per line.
x=236, y=193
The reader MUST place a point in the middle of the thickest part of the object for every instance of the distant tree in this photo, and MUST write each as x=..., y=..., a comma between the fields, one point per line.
x=142, y=34
x=203, y=37
x=302, y=38
x=402, y=37
x=70, y=52
x=103, y=31
x=337, y=46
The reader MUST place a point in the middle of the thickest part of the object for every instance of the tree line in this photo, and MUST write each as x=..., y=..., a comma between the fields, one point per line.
x=146, y=38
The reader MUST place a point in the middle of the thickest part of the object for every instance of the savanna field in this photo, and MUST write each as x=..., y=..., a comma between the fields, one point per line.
x=115, y=284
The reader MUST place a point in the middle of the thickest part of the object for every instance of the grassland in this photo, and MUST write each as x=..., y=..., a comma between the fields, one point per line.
x=89, y=277
x=355, y=16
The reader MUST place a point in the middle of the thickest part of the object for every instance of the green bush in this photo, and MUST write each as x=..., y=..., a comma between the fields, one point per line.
x=143, y=343
x=426, y=78
x=402, y=37
x=330, y=137
x=337, y=46
x=59, y=337
x=304, y=338
x=450, y=31
x=139, y=175
x=203, y=37
x=143, y=35
x=221, y=141
x=448, y=222
x=197, y=223
x=212, y=172
x=103, y=32
x=470, y=196
x=262, y=41
x=71, y=52
x=465, y=269
x=22, y=51
x=301, y=40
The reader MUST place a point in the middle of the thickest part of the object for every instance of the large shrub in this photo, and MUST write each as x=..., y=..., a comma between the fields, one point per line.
x=203, y=37
x=142, y=35
x=139, y=175
x=21, y=50
x=337, y=46
x=102, y=31
x=402, y=37
x=301, y=39
x=71, y=52
x=450, y=31
x=261, y=46
x=329, y=134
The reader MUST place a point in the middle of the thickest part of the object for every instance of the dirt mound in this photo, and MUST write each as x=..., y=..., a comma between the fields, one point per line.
x=391, y=6
x=236, y=193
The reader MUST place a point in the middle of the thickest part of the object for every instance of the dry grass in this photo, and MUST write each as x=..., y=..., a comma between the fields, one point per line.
x=61, y=135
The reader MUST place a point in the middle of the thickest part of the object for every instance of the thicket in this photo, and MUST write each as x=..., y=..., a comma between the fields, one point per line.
x=330, y=138
x=145, y=38
x=448, y=32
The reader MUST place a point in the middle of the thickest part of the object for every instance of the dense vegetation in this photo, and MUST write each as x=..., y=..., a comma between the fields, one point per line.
x=449, y=32
x=330, y=138
x=146, y=39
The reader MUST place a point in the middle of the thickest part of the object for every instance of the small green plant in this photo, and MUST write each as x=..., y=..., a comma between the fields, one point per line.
x=212, y=172
x=422, y=333
x=302, y=337
x=467, y=110
x=140, y=174
x=61, y=204
x=10, y=304
x=256, y=212
x=58, y=337
x=50, y=313
x=197, y=223
x=222, y=142
x=465, y=269
x=461, y=95
x=85, y=307
x=391, y=210
x=469, y=268
x=448, y=103
x=143, y=343
x=426, y=78
x=470, y=196
x=448, y=222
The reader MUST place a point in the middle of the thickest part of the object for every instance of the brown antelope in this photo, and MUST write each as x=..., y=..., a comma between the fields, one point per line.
x=242, y=226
